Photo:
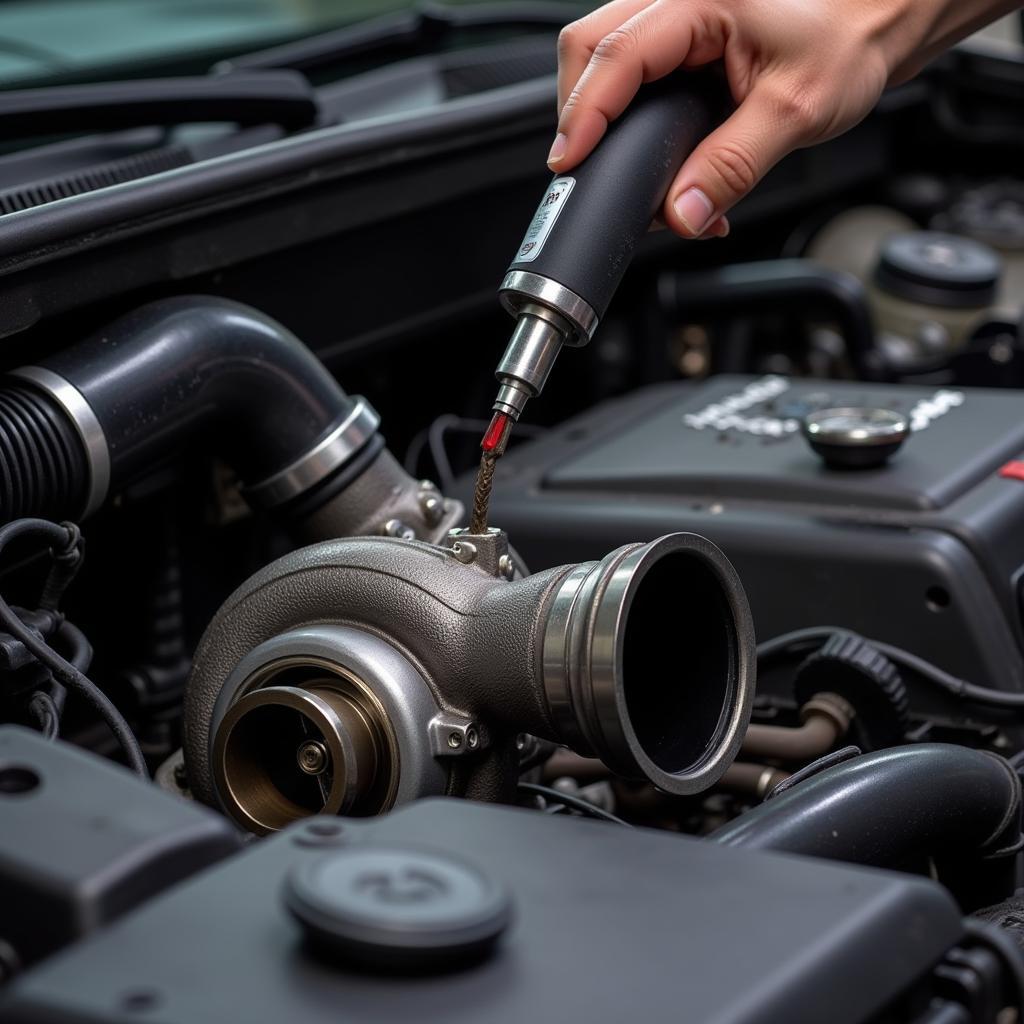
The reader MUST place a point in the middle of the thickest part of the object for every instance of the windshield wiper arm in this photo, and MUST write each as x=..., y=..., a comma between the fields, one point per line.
x=284, y=98
x=424, y=26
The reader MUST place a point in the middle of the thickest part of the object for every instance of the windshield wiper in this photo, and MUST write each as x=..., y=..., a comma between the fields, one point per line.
x=422, y=28
x=284, y=98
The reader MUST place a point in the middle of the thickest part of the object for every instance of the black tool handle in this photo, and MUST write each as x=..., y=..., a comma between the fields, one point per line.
x=592, y=218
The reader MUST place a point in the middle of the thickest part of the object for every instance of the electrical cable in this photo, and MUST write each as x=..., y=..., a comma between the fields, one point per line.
x=63, y=671
x=43, y=708
x=568, y=800
x=796, y=641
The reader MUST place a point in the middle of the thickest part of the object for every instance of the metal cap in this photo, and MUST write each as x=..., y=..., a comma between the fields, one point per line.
x=855, y=437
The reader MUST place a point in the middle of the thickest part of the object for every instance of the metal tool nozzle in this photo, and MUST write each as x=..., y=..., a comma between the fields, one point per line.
x=536, y=341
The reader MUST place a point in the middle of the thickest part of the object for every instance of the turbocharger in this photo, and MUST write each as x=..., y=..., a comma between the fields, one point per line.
x=357, y=674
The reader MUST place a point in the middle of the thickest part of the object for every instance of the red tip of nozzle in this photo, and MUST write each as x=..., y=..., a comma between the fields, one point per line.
x=497, y=433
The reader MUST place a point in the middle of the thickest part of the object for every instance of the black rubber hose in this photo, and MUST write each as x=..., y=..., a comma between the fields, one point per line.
x=43, y=468
x=198, y=366
x=957, y=806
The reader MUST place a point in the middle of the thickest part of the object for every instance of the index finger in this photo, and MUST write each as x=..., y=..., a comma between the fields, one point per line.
x=647, y=46
x=578, y=40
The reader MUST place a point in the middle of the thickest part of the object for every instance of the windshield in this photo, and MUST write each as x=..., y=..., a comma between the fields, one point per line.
x=54, y=41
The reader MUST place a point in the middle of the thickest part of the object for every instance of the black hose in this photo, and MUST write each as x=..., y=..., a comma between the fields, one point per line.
x=94, y=416
x=193, y=366
x=43, y=466
x=65, y=673
x=957, y=806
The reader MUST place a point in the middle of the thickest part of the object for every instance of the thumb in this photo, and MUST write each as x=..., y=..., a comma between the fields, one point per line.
x=733, y=159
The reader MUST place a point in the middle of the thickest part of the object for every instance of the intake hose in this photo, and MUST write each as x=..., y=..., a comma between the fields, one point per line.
x=356, y=674
x=959, y=807
x=93, y=417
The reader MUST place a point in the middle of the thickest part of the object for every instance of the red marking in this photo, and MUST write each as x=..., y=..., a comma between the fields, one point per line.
x=495, y=435
x=1013, y=470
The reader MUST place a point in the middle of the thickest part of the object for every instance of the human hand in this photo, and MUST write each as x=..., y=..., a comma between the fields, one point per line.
x=800, y=71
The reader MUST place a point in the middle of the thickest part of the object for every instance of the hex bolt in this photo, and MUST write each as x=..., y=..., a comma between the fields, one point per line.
x=454, y=740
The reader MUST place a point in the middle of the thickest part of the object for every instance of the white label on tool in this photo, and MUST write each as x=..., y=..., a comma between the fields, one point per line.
x=544, y=219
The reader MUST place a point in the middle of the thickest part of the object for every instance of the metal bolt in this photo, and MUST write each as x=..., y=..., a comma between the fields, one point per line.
x=454, y=740
x=312, y=757
x=506, y=567
x=396, y=528
x=432, y=507
x=464, y=551
x=472, y=738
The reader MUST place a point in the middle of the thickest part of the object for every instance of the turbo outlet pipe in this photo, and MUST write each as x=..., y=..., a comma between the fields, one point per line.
x=353, y=675
x=959, y=808
x=84, y=422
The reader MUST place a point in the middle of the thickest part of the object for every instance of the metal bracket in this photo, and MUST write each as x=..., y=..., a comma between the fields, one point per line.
x=487, y=551
x=455, y=736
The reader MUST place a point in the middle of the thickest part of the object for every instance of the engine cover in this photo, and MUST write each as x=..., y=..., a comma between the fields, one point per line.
x=607, y=924
x=925, y=551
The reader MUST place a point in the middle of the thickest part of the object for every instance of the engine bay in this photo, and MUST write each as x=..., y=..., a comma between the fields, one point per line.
x=714, y=712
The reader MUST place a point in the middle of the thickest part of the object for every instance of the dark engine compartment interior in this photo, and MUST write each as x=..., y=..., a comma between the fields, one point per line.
x=247, y=365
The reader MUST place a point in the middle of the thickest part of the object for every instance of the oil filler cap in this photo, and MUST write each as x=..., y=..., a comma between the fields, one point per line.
x=855, y=437
x=397, y=908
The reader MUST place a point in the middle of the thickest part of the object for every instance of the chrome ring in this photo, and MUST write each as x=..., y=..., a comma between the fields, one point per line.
x=319, y=462
x=87, y=426
x=521, y=287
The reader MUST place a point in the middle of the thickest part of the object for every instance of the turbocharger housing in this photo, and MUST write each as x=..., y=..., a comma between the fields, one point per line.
x=356, y=674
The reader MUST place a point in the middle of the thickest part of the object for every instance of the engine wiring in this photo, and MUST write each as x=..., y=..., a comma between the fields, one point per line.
x=556, y=796
x=60, y=537
x=800, y=641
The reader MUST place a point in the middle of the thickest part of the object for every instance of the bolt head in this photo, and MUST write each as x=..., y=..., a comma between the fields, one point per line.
x=432, y=507
x=312, y=757
x=506, y=567
x=396, y=528
x=454, y=740
x=464, y=551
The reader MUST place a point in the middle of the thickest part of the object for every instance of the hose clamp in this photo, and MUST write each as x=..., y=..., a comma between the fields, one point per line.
x=330, y=454
x=86, y=425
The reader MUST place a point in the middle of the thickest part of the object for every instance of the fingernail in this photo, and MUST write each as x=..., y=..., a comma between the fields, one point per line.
x=694, y=209
x=558, y=148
